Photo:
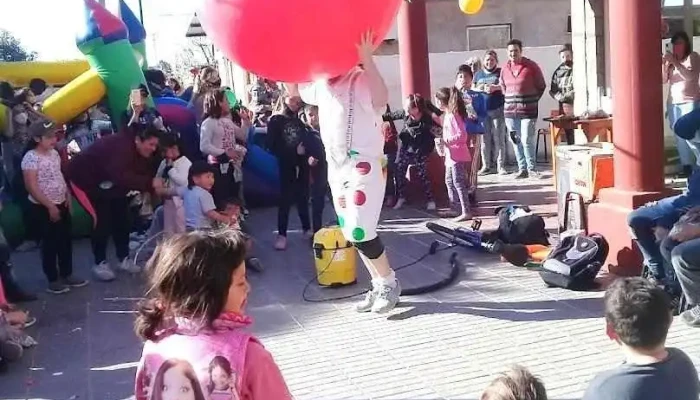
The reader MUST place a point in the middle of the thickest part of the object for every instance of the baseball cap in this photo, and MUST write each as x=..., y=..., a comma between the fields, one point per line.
x=41, y=128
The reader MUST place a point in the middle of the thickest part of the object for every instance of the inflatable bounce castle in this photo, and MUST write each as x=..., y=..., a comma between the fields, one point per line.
x=115, y=61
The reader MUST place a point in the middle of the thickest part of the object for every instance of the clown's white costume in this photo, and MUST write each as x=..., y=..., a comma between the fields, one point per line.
x=350, y=130
x=351, y=134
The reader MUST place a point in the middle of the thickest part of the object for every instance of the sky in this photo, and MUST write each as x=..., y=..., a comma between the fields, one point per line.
x=47, y=26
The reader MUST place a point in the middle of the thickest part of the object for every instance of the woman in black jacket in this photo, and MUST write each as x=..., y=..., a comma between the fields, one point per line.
x=286, y=132
x=417, y=139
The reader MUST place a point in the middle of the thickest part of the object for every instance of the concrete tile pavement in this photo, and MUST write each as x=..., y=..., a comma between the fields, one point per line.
x=444, y=345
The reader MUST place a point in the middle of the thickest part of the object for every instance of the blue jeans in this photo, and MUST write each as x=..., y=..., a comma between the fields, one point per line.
x=687, y=151
x=524, y=138
x=494, y=141
x=663, y=213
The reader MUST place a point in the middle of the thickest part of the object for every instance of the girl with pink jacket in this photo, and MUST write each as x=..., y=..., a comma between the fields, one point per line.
x=194, y=325
x=454, y=141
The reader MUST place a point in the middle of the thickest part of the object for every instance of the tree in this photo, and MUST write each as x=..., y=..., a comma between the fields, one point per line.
x=11, y=49
x=196, y=53
x=166, y=67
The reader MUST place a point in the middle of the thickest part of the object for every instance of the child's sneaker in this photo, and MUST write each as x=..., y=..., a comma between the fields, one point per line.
x=462, y=217
x=254, y=264
x=103, y=272
x=74, y=282
x=57, y=288
x=128, y=266
x=387, y=298
x=281, y=243
x=692, y=316
x=431, y=206
x=399, y=203
x=368, y=302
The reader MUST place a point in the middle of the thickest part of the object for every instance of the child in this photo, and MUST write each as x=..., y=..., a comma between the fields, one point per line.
x=218, y=143
x=200, y=210
x=457, y=155
x=516, y=384
x=476, y=114
x=171, y=179
x=417, y=143
x=174, y=378
x=638, y=316
x=313, y=146
x=391, y=148
x=233, y=210
x=50, y=207
x=195, y=314
x=221, y=380
x=285, y=132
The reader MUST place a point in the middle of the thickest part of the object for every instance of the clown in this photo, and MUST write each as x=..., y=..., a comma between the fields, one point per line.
x=350, y=108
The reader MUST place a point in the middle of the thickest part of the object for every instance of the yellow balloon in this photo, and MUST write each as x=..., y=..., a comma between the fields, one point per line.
x=471, y=6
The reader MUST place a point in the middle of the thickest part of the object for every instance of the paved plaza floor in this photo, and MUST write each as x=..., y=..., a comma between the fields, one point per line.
x=445, y=345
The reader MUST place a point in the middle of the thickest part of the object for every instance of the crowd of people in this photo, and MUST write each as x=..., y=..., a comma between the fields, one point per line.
x=323, y=137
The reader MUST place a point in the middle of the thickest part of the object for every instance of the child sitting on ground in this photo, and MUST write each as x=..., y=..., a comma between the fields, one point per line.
x=233, y=209
x=196, y=313
x=200, y=210
x=638, y=316
x=516, y=384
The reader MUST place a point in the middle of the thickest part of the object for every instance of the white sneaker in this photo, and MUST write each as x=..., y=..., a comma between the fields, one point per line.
x=103, y=272
x=400, y=203
x=430, y=206
x=387, y=298
x=128, y=266
x=366, y=304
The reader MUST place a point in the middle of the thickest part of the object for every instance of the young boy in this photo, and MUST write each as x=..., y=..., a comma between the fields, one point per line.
x=232, y=209
x=477, y=112
x=638, y=315
x=518, y=383
x=313, y=146
x=200, y=210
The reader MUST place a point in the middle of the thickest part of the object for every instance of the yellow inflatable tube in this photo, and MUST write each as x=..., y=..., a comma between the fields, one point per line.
x=3, y=114
x=80, y=94
x=54, y=73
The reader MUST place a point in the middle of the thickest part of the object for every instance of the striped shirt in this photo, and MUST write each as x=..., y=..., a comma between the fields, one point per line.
x=523, y=85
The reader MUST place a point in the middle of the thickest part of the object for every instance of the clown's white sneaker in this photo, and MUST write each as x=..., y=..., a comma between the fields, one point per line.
x=387, y=298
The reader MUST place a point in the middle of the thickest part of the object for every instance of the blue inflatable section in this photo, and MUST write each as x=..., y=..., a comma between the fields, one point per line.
x=261, y=172
x=688, y=125
x=181, y=118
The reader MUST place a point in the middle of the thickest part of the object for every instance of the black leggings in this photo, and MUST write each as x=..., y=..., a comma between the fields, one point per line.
x=112, y=220
x=225, y=186
x=56, y=241
x=294, y=189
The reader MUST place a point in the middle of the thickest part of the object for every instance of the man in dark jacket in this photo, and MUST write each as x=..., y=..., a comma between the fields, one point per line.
x=105, y=173
x=562, y=86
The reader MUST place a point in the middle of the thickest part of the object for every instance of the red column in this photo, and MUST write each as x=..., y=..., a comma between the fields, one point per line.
x=413, y=48
x=637, y=127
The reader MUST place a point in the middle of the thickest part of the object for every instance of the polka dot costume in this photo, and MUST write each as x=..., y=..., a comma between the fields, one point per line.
x=351, y=134
x=358, y=193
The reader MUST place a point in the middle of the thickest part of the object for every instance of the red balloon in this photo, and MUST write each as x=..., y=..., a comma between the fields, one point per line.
x=295, y=40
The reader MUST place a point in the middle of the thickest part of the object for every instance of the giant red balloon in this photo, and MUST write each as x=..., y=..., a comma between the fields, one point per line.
x=295, y=40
